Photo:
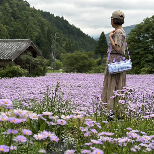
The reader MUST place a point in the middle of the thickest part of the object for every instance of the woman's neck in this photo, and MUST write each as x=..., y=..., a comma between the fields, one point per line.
x=118, y=27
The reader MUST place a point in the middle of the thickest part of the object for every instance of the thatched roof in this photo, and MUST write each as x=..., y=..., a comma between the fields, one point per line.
x=10, y=49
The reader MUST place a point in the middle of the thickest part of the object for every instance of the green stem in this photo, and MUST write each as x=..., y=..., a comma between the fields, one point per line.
x=60, y=138
x=10, y=139
x=28, y=144
x=79, y=133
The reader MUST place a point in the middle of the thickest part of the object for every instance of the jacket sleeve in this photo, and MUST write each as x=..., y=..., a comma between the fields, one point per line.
x=118, y=38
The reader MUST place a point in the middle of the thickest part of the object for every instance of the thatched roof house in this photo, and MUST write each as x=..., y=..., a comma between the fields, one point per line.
x=11, y=49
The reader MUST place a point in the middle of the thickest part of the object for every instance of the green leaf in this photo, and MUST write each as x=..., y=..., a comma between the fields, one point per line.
x=42, y=127
x=34, y=128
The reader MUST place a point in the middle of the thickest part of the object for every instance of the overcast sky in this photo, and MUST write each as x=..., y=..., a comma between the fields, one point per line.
x=92, y=16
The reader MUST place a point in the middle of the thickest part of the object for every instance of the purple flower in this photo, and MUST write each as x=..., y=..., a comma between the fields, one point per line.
x=122, y=141
x=65, y=117
x=86, y=151
x=20, y=138
x=13, y=148
x=146, y=117
x=122, y=101
x=47, y=113
x=61, y=122
x=27, y=132
x=96, y=142
x=152, y=116
x=109, y=134
x=51, y=123
x=88, y=143
x=151, y=145
x=69, y=151
x=129, y=128
x=89, y=123
x=22, y=120
x=140, y=139
x=33, y=116
x=98, y=151
x=105, y=121
x=54, y=138
x=47, y=134
x=143, y=133
x=38, y=136
x=6, y=102
x=133, y=149
x=132, y=135
x=14, y=120
x=4, y=118
x=4, y=148
x=12, y=131
x=94, y=131
x=84, y=129
x=145, y=137
x=53, y=117
x=20, y=112
x=104, y=139
x=137, y=147
x=102, y=133
x=143, y=145
x=87, y=134
x=148, y=149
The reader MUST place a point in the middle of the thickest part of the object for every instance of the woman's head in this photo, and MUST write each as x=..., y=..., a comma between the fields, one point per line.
x=117, y=17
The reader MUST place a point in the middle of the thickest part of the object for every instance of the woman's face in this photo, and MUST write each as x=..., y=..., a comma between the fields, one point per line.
x=112, y=23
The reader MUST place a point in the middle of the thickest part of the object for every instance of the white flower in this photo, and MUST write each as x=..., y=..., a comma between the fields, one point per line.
x=65, y=117
x=42, y=151
x=34, y=116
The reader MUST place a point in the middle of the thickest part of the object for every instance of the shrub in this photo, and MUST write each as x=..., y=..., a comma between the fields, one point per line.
x=78, y=62
x=13, y=71
x=36, y=66
x=98, y=69
x=59, y=65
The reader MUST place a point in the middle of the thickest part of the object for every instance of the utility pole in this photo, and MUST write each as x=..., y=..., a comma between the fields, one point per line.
x=54, y=50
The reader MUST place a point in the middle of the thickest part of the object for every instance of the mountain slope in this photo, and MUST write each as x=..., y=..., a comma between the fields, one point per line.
x=20, y=21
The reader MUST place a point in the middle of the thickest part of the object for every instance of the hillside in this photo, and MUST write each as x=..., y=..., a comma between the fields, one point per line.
x=20, y=21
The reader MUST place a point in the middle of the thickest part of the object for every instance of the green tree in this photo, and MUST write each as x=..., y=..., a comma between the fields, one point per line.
x=78, y=61
x=3, y=32
x=141, y=47
x=102, y=46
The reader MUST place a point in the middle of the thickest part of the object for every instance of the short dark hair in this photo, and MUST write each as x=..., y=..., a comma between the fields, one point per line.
x=117, y=21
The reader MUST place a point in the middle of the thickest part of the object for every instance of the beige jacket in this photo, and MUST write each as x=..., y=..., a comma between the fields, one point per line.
x=119, y=39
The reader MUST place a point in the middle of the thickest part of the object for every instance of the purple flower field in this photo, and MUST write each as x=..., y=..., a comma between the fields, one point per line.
x=80, y=88
x=47, y=122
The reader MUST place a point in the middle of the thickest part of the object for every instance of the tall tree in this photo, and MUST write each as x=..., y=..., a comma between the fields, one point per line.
x=102, y=46
x=141, y=47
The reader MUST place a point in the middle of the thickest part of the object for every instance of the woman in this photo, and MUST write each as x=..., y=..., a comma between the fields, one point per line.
x=117, y=81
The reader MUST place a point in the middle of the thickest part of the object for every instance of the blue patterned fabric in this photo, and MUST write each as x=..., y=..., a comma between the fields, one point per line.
x=119, y=67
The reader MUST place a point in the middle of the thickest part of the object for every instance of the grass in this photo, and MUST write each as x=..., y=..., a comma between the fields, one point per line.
x=55, y=71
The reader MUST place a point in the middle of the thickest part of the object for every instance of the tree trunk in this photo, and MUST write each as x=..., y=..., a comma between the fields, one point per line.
x=102, y=60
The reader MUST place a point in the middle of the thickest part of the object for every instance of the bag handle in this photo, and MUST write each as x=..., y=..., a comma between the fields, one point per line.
x=111, y=48
x=123, y=58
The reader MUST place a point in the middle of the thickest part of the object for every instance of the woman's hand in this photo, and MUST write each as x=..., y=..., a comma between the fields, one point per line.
x=112, y=33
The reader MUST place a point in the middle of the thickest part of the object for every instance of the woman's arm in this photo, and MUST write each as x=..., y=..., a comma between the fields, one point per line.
x=116, y=47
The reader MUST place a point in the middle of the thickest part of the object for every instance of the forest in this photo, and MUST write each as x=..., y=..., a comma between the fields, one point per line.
x=20, y=21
